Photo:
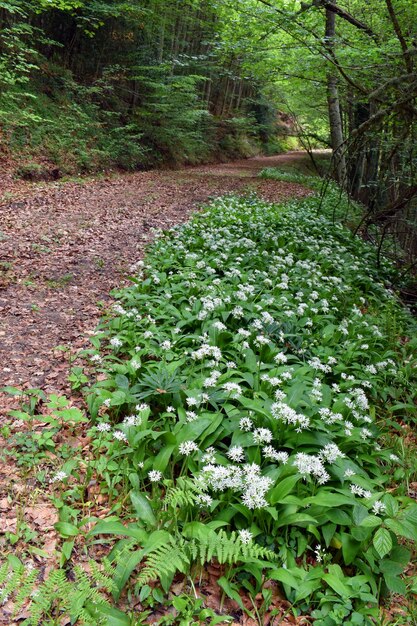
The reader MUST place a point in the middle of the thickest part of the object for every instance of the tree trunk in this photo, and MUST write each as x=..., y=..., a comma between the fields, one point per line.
x=333, y=103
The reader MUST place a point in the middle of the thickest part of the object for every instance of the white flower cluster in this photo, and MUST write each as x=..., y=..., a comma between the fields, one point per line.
x=281, y=411
x=246, y=480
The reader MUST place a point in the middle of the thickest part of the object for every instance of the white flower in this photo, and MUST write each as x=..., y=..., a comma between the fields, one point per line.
x=262, y=435
x=209, y=455
x=107, y=402
x=154, y=476
x=103, y=427
x=255, y=487
x=187, y=447
x=119, y=435
x=320, y=553
x=115, y=342
x=191, y=416
x=269, y=452
x=379, y=507
x=311, y=465
x=283, y=412
x=349, y=473
x=234, y=389
x=203, y=499
x=236, y=454
x=58, y=477
x=166, y=345
x=280, y=358
x=261, y=340
x=245, y=536
x=358, y=491
x=245, y=424
x=330, y=453
x=170, y=409
x=142, y=407
x=132, y=420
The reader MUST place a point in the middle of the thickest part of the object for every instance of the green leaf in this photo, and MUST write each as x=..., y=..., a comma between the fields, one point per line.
x=124, y=568
x=143, y=508
x=395, y=584
x=66, y=529
x=115, y=527
x=382, y=542
x=111, y=615
x=283, y=488
x=295, y=519
x=331, y=500
x=162, y=459
x=337, y=585
x=338, y=516
x=121, y=381
x=391, y=505
x=350, y=548
x=71, y=415
x=402, y=528
x=67, y=548
x=371, y=521
x=359, y=512
x=285, y=577
x=231, y=592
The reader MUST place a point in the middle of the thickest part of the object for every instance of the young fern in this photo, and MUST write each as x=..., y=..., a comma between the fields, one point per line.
x=184, y=493
x=79, y=600
x=176, y=555
x=165, y=560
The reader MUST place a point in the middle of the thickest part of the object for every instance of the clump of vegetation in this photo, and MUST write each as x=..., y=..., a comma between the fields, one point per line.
x=242, y=394
x=250, y=372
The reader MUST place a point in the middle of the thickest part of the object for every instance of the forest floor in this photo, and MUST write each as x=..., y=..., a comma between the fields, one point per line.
x=65, y=245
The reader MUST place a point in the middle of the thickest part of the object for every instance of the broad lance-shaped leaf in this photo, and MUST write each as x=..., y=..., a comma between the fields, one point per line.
x=382, y=542
x=143, y=508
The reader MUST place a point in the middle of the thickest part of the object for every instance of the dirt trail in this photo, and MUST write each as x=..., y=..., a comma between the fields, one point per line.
x=64, y=246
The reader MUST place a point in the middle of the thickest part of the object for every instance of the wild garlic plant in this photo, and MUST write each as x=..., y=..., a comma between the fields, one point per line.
x=253, y=356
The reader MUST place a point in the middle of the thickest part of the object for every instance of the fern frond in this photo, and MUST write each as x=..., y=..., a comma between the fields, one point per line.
x=26, y=588
x=184, y=493
x=164, y=560
x=177, y=555
x=57, y=597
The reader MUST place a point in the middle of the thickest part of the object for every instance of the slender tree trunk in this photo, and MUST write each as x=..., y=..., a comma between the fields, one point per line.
x=333, y=103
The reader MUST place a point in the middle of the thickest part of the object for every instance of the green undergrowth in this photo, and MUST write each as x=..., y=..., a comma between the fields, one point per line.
x=54, y=126
x=241, y=395
x=252, y=370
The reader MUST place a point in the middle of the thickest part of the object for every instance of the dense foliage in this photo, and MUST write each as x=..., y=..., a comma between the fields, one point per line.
x=90, y=84
x=248, y=376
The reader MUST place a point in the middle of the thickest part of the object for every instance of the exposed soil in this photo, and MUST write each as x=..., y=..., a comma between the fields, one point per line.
x=64, y=246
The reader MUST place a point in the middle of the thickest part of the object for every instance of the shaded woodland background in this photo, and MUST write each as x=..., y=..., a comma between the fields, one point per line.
x=87, y=85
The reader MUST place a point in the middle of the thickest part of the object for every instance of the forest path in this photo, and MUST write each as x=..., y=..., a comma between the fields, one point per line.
x=64, y=246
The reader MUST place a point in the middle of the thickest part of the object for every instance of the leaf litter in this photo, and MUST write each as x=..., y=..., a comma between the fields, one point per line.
x=64, y=247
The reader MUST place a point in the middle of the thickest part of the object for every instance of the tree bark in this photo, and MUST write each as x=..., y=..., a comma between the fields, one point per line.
x=333, y=103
